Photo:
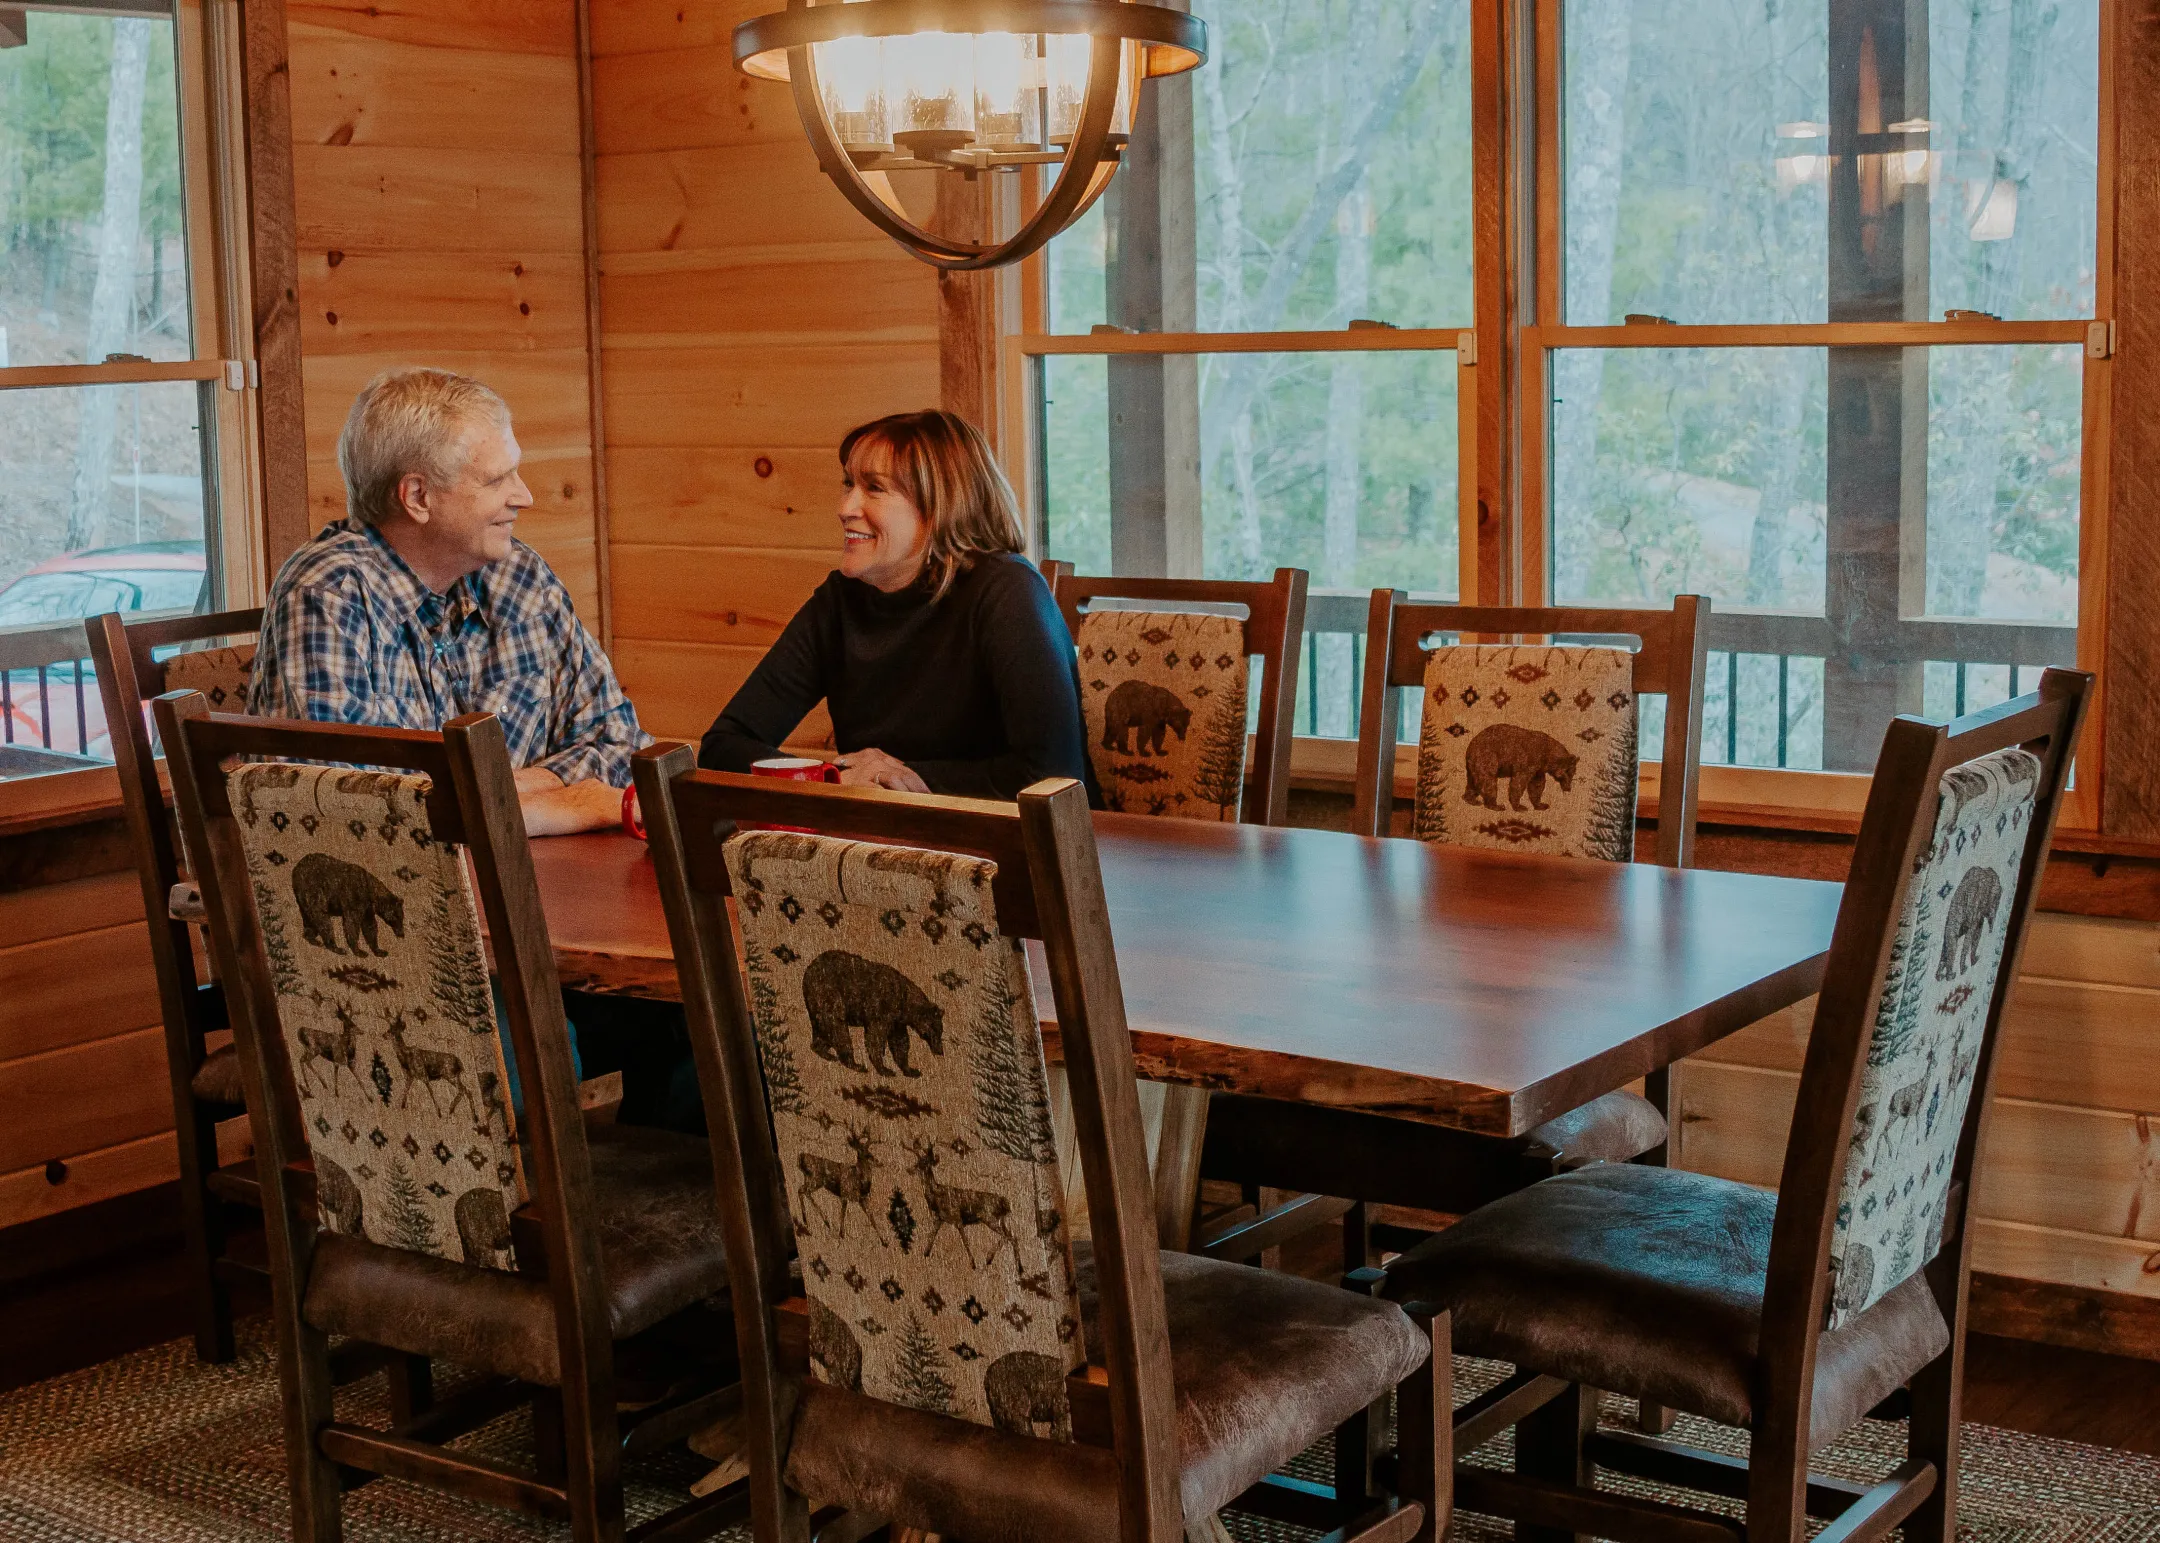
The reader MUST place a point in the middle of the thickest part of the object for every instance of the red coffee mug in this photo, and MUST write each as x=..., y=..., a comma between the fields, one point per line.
x=633, y=819
x=792, y=768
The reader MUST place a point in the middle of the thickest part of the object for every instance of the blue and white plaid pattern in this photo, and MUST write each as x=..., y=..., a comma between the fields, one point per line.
x=351, y=635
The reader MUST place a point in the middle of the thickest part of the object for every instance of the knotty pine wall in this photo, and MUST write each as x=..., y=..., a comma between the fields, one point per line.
x=440, y=204
x=2069, y=1186
x=749, y=317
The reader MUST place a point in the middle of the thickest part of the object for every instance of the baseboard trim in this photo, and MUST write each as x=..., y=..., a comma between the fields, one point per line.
x=86, y=1234
x=2074, y=1317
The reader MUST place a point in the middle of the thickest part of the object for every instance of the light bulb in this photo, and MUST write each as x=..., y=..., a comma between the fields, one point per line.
x=851, y=73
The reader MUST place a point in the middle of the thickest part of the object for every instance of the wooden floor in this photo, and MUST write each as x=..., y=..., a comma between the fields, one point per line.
x=96, y=1308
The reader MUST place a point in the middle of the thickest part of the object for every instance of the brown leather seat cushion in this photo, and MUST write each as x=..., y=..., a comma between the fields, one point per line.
x=1617, y=1128
x=1649, y=1282
x=660, y=1249
x=217, y=1080
x=1262, y=1365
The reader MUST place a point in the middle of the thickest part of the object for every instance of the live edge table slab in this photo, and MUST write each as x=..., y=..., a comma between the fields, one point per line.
x=1482, y=991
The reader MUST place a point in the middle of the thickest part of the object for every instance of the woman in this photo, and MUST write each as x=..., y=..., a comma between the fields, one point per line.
x=936, y=646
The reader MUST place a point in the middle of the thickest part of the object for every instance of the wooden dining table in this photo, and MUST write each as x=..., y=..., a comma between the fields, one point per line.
x=1484, y=991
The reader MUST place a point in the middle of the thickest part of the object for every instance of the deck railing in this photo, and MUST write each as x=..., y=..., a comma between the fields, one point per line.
x=41, y=666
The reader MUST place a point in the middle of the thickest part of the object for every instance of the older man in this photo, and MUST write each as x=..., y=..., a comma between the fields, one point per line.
x=422, y=604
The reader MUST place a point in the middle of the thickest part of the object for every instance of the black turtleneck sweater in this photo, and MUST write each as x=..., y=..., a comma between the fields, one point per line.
x=978, y=692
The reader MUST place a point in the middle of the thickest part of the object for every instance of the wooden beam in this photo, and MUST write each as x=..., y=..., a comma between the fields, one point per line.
x=596, y=402
x=274, y=276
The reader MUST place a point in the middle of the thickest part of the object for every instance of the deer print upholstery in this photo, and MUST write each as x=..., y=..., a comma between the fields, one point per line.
x=373, y=944
x=221, y=674
x=904, y=1071
x=1925, y=1047
x=1163, y=694
x=1529, y=749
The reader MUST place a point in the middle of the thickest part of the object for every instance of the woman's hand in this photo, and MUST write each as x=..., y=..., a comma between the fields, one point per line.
x=876, y=769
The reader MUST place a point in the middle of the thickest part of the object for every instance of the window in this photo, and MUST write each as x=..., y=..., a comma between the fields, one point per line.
x=1799, y=317
x=123, y=434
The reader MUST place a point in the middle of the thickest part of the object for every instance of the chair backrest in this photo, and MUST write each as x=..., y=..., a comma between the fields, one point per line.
x=345, y=924
x=1893, y=1096
x=1531, y=746
x=128, y=675
x=911, y=1169
x=1164, y=690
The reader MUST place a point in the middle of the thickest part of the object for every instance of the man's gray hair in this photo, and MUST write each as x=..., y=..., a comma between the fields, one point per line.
x=409, y=420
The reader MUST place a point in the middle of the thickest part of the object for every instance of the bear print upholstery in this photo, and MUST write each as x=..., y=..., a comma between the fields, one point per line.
x=1529, y=749
x=1163, y=693
x=904, y=1072
x=1925, y=1049
x=221, y=674
x=373, y=944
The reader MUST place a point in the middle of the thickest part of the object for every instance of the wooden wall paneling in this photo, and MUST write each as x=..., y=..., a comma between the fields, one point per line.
x=2131, y=731
x=83, y=1097
x=84, y=1178
x=741, y=596
x=449, y=199
x=680, y=688
x=496, y=26
x=273, y=275
x=353, y=89
x=658, y=26
x=861, y=292
x=74, y=987
x=693, y=201
x=392, y=302
x=771, y=395
x=78, y=905
x=687, y=98
x=781, y=497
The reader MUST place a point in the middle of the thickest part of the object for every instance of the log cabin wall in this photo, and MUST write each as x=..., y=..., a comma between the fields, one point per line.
x=749, y=318
x=438, y=186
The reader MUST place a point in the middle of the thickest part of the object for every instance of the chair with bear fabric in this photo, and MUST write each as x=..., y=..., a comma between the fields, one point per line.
x=1792, y=1314
x=1164, y=676
x=407, y=1204
x=204, y=1075
x=1163, y=687
x=949, y=1360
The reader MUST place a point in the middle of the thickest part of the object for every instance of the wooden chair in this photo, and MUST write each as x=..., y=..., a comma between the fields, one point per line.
x=1795, y=1314
x=1204, y=759
x=406, y=1204
x=1036, y=1390
x=1498, y=690
x=1192, y=668
x=206, y=1082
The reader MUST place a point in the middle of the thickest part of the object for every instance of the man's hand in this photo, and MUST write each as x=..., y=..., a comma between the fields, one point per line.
x=551, y=809
x=876, y=769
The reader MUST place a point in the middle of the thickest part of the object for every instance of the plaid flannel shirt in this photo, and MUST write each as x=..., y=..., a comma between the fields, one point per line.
x=351, y=635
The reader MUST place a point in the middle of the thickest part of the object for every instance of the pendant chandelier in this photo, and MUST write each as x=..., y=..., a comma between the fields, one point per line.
x=964, y=87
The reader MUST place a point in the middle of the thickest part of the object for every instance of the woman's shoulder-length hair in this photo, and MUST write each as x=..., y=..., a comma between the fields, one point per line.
x=944, y=467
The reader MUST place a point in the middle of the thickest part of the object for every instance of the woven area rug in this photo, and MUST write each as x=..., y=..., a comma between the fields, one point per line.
x=155, y=1447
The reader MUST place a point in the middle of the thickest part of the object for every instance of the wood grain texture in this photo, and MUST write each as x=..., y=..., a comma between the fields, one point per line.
x=121, y=1169
x=693, y=200
x=422, y=302
x=273, y=273
x=649, y=26
x=76, y=987
x=780, y=497
x=680, y=688
x=686, y=98
x=448, y=199
x=360, y=90
x=739, y=596
x=496, y=26
x=84, y=1097
x=720, y=397
x=546, y=393
x=77, y=905
x=1482, y=990
x=871, y=294
x=2131, y=729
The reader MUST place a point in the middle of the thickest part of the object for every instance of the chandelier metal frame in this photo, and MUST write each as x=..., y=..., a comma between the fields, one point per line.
x=1171, y=42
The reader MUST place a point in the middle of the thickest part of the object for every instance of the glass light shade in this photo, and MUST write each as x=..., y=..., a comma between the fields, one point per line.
x=1008, y=78
x=851, y=75
x=931, y=79
x=1065, y=74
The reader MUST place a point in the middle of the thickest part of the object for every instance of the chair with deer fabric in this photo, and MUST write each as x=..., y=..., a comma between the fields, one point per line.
x=951, y=1359
x=204, y=1075
x=1163, y=689
x=1791, y=1314
x=407, y=1204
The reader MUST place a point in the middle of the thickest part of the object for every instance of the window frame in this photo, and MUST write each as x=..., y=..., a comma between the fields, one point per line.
x=1504, y=364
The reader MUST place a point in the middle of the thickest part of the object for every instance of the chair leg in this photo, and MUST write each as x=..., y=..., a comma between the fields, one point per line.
x=593, y=1449
x=550, y=1458
x=1654, y=1419
x=202, y=1228
x=1356, y=1238
x=317, y=1483
x=1549, y=1445
x=1425, y=1434
x=412, y=1387
x=1938, y=1396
